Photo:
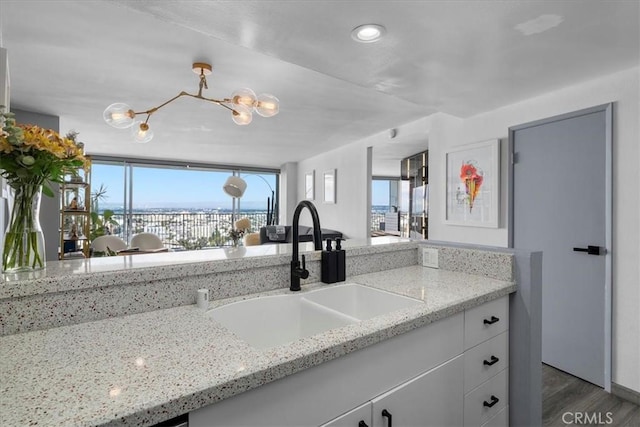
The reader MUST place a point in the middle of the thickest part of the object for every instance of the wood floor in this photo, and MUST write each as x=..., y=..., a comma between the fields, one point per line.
x=567, y=400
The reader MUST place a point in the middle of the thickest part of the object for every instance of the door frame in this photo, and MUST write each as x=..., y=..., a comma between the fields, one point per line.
x=608, y=110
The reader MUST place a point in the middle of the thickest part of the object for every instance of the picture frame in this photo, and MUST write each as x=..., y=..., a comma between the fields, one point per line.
x=473, y=184
x=330, y=185
x=309, y=185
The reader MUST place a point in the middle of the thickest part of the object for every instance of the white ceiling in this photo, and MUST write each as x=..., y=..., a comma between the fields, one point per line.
x=73, y=58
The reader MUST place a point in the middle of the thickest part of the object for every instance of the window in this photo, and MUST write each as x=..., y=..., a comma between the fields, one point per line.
x=183, y=204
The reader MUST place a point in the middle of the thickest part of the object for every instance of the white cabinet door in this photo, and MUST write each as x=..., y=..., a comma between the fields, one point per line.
x=359, y=417
x=434, y=398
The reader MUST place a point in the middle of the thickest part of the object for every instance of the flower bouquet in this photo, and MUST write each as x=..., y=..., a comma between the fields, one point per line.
x=32, y=158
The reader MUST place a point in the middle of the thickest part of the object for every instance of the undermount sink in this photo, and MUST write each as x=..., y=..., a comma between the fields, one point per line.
x=265, y=322
x=360, y=302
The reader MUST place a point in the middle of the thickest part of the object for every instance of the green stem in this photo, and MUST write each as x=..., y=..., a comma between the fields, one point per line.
x=21, y=245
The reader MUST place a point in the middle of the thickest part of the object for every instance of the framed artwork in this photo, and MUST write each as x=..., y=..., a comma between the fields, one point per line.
x=473, y=186
x=309, y=184
x=329, y=180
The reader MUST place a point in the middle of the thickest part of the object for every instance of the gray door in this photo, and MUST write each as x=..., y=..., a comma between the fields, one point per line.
x=561, y=204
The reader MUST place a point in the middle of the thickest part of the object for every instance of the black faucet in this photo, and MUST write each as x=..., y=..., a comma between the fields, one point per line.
x=298, y=272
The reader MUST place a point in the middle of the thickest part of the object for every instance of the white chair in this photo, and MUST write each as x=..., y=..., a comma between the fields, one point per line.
x=147, y=242
x=108, y=243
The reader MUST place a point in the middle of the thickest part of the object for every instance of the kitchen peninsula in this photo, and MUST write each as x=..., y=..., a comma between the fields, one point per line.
x=155, y=355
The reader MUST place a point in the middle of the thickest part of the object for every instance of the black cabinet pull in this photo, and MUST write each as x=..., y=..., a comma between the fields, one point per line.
x=491, y=321
x=362, y=424
x=387, y=414
x=493, y=361
x=494, y=400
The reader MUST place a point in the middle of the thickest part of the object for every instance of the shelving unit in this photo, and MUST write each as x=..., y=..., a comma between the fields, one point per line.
x=75, y=213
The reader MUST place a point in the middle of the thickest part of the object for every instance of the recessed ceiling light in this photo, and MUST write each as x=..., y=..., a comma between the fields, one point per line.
x=368, y=33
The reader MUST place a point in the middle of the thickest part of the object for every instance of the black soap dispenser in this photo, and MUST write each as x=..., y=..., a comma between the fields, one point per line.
x=340, y=262
x=329, y=265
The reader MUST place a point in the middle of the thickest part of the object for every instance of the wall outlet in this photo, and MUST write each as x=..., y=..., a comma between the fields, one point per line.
x=430, y=257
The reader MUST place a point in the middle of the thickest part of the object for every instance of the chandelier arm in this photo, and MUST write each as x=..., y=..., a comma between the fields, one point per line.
x=154, y=109
x=220, y=102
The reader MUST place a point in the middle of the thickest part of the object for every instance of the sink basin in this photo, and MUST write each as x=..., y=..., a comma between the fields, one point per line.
x=269, y=321
x=265, y=322
x=360, y=302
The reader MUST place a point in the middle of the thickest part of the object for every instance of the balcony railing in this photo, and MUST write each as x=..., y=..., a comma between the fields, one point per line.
x=198, y=230
x=378, y=218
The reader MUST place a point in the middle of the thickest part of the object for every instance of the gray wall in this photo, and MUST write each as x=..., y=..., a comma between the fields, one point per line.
x=50, y=206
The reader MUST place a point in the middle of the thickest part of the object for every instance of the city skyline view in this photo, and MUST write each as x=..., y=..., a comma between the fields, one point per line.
x=188, y=189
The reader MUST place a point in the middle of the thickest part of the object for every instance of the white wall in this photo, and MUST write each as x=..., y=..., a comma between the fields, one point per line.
x=350, y=213
x=622, y=88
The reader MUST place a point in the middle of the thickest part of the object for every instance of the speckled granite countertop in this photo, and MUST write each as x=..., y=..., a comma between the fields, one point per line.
x=76, y=274
x=144, y=368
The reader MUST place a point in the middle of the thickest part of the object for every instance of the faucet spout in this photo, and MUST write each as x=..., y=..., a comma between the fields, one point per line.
x=298, y=272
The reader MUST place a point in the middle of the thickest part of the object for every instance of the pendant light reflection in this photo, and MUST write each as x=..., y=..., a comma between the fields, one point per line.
x=141, y=133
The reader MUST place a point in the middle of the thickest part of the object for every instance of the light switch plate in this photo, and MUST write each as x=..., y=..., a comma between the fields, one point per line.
x=430, y=257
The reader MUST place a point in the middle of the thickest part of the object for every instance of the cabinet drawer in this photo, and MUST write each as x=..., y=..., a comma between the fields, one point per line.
x=485, y=360
x=485, y=321
x=485, y=401
x=501, y=419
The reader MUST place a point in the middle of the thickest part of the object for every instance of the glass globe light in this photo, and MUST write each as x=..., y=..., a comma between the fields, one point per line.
x=267, y=105
x=241, y=115
x=244, y=96
x=119, y=115
x=141, y=133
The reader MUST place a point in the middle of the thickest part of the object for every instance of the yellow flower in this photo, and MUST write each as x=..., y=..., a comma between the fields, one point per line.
x=5, y=147
x=33, y=154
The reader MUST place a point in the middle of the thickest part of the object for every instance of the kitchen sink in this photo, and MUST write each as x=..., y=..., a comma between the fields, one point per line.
x=360, y=302
x=265, y=322
x=269, y=321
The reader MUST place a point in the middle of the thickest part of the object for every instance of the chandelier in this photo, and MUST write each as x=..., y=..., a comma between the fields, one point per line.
x=242, y=104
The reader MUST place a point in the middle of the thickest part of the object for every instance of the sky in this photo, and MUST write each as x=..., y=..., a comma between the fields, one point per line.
x=189, y=188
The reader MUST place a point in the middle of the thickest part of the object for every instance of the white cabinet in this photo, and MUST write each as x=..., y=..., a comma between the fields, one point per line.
x=486, y=362
x=501, y=419
x=431, y=399
x=485, y=321
x=358, y=417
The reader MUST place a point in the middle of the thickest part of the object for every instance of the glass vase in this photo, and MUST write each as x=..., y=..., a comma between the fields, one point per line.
x=23, y=246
